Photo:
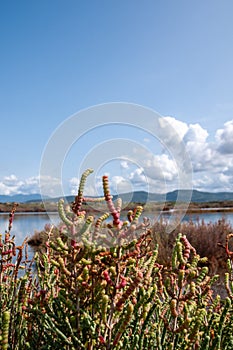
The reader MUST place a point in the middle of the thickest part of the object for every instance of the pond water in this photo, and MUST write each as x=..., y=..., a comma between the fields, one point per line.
x=25, y=224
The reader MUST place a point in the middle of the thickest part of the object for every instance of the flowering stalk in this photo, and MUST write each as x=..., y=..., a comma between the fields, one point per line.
x=63, y=267
x=124, y=324
x=108, y=278
x=5, y=329
x=99, y=222
x=62, y=213
x=122, y=283
x=202, y=275
x=130, y=215
x=129, y=291
x=115, y=214
x=118, y=205
x=137, y=214
x=151, y=264
x=104, y=307
x=187, y=247
x=76, y=206
x=93, y=199
x=11, y=217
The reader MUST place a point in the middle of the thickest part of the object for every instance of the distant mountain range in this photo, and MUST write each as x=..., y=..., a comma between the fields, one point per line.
x=137, y=197
x=21, y=198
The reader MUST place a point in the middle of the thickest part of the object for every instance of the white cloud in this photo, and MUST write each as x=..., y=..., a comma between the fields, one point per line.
x=214, y=182
x=212, y=162
x=138, y=176
x=224, y=138
x=200, y=151
x=180, y=127
x=156, y=170
x=120, y=184
x=50, y=186
x=10, y=179
x=124, y=164
x=10, y=185
x=225, y=179
x=73, y=185
x=195, y=133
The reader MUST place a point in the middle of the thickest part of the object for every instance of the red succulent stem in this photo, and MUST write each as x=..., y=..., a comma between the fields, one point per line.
x=11, y=217
x=129, y=291
x=107, y=278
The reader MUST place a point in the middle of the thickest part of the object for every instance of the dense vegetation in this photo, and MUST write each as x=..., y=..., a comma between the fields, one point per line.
x=124, y=285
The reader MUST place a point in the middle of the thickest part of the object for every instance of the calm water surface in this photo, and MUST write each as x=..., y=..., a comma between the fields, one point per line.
x=25, y=224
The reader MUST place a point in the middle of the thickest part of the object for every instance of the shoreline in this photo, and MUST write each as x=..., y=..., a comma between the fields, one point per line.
x=168, y=207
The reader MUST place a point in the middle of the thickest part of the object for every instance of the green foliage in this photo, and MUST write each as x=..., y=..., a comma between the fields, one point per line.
x=98, y=285
x=15, y=289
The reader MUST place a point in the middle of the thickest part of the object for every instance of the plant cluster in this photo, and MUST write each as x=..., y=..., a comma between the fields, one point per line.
x=99, y=285
x=205, y=237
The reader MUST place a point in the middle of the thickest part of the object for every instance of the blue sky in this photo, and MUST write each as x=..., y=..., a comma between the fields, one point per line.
x=174, y=57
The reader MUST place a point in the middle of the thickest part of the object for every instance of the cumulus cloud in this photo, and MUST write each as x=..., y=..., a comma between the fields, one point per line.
x=195, y=133
x=8, y=180
x=224, y=138
x=214, y=182
x=212, y=162
x=154, y=169
x=73, y=185
x=180, y=127
x=10, y=185
x=124, y=164
x=120, y=184
x=161, y=167
x=200, y=151
x=47, y=185
x=50, y=186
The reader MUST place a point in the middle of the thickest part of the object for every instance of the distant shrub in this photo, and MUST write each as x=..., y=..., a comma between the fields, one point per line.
x=205, y=237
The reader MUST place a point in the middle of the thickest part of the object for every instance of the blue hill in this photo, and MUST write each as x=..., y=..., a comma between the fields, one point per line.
x=137, y=197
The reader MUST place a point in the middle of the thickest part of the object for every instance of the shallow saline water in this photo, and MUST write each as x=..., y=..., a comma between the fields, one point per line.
x=25, y=224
